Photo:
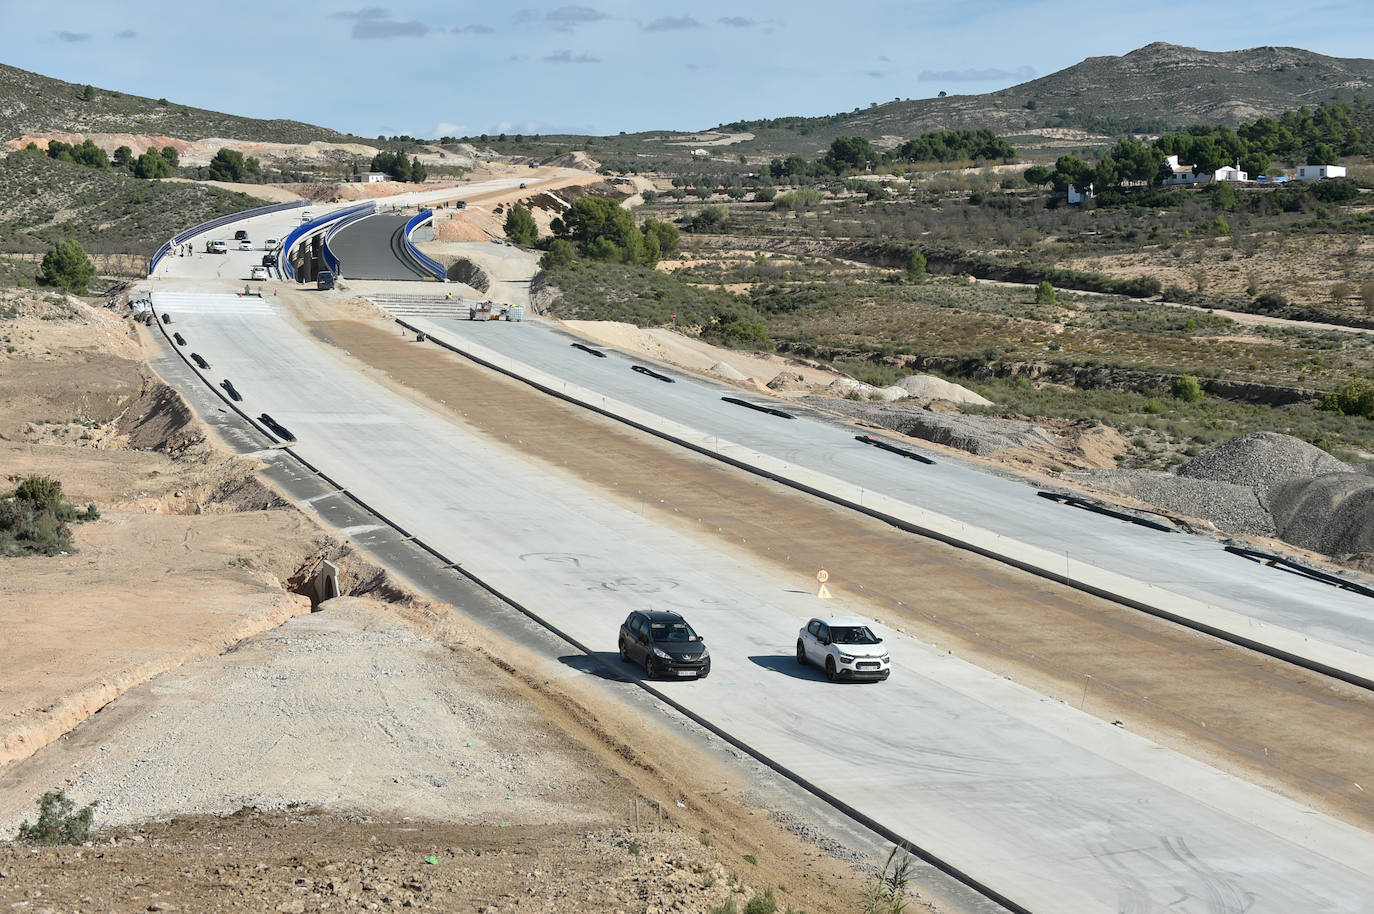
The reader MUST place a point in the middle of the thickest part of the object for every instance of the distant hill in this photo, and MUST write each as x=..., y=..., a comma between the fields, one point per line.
x=30, y=103
x=1160, y=84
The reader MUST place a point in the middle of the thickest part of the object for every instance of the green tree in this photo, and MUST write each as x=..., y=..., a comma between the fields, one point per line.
x=520, y=226
x=561, y=253
x=227, y=165
x=1322, y=154
x=123, y=157
x=605, y=229
x=916, y=266
x=1037, y=175
x=850, y=152
x=1045, y=294
x=171, y=156
x=1207, y=155
x=418, y=172
x=667, y=235
x=67, y=265
x=152, y=165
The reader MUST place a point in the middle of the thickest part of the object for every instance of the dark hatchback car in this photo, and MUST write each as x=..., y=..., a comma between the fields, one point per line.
x=664, y=644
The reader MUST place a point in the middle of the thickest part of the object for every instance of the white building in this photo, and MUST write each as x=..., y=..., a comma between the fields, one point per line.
x=1317, y=172
x=1077, y=196
x=371, y=177
x=1185, y=174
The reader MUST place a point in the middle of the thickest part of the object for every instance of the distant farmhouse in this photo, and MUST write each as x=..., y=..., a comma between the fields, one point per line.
x=371, y=177
x=1317, y=172
x=1184, y=174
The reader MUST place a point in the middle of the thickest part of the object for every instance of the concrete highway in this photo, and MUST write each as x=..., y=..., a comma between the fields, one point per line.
x=1188, y=574
x=1056, y=810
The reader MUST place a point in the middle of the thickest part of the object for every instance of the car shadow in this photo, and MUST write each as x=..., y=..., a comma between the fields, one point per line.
x=787, y=665
x=602, y=664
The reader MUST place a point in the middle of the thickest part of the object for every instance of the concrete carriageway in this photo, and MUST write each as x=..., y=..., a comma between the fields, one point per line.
x=1057, y=811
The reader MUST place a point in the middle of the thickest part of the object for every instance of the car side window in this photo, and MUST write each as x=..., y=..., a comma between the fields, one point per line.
x=823, y=631
x=814, y=628
x=641, y=628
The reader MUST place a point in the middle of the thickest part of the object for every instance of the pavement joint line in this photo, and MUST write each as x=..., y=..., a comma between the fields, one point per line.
x=938, y=863
x=1218, y=622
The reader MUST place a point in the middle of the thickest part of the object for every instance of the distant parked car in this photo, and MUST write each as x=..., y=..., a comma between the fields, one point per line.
x=257, y=273
x=217, y=247
x=269, y=260
x=270, y=243
x=523, y=185
x=664, y=644
x=305, y=215
x=241, y=235
x=844, y=648
x=245, y=245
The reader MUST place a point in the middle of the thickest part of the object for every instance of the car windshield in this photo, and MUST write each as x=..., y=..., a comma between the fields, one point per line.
x=853, y=634
x=671, y=631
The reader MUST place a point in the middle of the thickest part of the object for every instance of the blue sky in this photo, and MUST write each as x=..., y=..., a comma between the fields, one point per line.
x=600, y=66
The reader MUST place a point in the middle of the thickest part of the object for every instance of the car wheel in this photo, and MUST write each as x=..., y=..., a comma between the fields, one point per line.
x=801, y=653
x=830, y=669
x=650, y=666
x=624, y=654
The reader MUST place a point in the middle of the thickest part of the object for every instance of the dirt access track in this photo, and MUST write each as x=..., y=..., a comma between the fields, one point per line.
x=399, y=757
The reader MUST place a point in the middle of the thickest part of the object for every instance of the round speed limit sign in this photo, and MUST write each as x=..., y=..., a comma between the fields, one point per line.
x=822, y=576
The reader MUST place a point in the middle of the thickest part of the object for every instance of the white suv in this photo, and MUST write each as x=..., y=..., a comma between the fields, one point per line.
x=844, y=648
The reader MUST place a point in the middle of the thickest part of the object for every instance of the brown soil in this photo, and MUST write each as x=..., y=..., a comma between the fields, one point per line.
x=1298, y=734
x=302, y=861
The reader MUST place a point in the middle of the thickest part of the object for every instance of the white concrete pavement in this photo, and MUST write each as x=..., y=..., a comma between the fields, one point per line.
x=1190, y=576
x=1054, y=809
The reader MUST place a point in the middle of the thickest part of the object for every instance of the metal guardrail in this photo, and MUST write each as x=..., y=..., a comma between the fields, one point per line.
x=431, y=266
x=314, y=225
x=183, y=236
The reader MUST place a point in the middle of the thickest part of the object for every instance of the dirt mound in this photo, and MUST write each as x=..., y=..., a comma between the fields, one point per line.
x=929, y=387
x=1333, y=513
x=1262, y=460
x=576, y=159
x=726, y=370
x=465, y=271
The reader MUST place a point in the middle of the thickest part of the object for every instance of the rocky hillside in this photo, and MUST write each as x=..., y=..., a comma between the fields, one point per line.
x=1158, y=86
x=30, y=103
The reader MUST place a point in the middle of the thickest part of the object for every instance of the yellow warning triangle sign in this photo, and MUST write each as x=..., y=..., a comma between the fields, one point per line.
x=824, y=593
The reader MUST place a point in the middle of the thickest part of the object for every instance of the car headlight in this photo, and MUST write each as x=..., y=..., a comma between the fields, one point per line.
x=885, y=658
x=664, y=654
x=847, y=658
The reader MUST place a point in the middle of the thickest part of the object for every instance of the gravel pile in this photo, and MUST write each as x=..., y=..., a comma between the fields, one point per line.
x=1232, y=508
x=929, y=387
x=975, y=434
x=726, y=370
x=1262, y=460
x=1333, y=513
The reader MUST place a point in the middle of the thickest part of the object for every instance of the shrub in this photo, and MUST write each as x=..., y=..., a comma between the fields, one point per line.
x=1187, y=389
x=57, y=823
x=1354, y=399
x=1044, y=293
x=560, y=253
x=762, y=903
x=67, y=265
x=1271, y=301
x=1367, y=295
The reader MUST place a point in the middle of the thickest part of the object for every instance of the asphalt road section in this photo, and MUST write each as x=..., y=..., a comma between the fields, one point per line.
x=1056, y=810
x=371, y=248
